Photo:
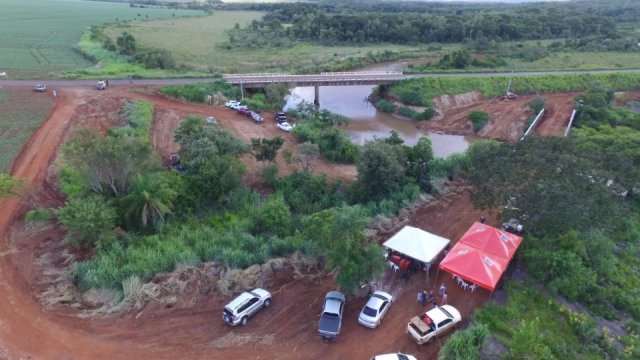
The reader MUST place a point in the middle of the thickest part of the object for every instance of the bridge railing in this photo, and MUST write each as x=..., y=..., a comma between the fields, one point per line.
x=362, y=73
x=256, y=74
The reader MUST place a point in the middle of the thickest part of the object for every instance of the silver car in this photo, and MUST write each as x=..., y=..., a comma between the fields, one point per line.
x=375, y=309
x=240, y=309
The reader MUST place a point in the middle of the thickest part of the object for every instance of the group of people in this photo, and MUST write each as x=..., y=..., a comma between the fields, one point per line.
x=425, y=297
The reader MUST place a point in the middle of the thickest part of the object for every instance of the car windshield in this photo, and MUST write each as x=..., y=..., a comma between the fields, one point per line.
x=402, y=357
x=369, y=311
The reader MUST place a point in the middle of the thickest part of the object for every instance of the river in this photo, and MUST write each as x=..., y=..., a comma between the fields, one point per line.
x=367, y=122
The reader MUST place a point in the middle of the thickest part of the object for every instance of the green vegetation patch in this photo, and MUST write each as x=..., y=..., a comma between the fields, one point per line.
x=420, y=91
x=22, y=112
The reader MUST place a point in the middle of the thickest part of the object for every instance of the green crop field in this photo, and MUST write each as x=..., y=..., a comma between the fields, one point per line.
x=195, y=42
x=22, y=112
x=38, y=36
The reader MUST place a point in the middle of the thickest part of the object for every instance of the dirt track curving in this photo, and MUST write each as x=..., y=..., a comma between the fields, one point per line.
x=191, y=330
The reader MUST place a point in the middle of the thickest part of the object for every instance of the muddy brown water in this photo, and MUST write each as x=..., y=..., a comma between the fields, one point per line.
x=367, y=123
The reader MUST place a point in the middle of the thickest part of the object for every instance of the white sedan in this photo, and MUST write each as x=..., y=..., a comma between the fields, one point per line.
x=232, y=104
x=375, y=309
x=397, y=356
x=285, y=126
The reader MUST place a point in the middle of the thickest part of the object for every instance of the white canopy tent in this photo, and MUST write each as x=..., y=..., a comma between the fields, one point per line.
x=417, y=244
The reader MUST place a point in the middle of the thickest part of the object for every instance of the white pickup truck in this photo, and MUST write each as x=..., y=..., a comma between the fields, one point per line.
x=435, y=322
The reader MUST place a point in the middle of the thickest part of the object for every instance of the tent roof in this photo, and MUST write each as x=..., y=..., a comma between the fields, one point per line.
x=474, y=265
x=492, y=240
x=417, y=243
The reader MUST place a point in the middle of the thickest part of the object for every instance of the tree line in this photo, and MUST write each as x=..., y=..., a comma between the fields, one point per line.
x=331, y=23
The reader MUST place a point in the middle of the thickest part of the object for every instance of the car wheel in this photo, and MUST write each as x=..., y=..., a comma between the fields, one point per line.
x=244, y=321
x=267, y=303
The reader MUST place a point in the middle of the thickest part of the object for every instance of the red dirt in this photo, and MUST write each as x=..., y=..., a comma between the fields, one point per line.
x=287, y=330
x=507, y=118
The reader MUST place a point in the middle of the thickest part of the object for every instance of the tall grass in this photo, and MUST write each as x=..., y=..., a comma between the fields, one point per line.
x=145, y=256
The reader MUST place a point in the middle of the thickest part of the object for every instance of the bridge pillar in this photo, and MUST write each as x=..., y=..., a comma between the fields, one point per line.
x=316, y=97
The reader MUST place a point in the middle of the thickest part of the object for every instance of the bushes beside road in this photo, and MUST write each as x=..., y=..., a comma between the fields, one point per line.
x=421, y=91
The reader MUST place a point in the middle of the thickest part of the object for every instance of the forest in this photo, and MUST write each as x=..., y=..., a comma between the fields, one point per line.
x=425, y=23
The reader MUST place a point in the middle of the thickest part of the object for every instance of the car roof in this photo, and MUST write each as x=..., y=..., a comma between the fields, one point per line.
x=437, y=315
x=239, y=300
x=375, y=302
x=333, y=299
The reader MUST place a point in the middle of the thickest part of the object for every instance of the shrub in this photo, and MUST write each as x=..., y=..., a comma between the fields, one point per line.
x=39, y=215
x=156, y=59
x=537, y=104
x=408, y=112
x=198, y=92
x=465, y=344
x=386, y=106
x=269, y=174
x=479, y=119
x=89, y=220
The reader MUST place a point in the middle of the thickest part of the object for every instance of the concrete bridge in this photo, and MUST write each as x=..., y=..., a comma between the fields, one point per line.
x=316, y=80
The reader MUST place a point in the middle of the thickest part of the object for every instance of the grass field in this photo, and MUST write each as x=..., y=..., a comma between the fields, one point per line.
x=22, y=112
x=579, y=61
x=38, y=36
x=196, y=42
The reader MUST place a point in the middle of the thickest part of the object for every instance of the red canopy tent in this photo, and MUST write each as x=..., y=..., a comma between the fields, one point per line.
x=474, y=265
x=492, y=240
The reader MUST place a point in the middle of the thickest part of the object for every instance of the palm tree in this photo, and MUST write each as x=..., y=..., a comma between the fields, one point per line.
x=149, y=199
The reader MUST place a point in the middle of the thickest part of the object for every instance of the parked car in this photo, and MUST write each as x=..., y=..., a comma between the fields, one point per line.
x=255, y=115
x=397, y=356
x=513, y=226
x=331, y=316
x=435, y=322
x=245, y=305
x=40, y=88
x=232, y=104
x=211, y=120
x=375, y=309
x=243, y=110
x=241, y=107
x=285, y=126
x=102, y=84
x=281, y=117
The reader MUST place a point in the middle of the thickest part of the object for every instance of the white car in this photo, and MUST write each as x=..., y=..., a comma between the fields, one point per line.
x=397, y=356
x=40, y=88
x=232, y=104
x=435, y=322
x=375, y=309
x=211, y=120
x=285, y=126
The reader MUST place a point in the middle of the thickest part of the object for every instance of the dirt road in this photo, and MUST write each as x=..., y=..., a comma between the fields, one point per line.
x=507, y=118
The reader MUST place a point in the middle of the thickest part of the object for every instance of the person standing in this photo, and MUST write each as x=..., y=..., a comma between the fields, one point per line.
x=445, y=298
x=430, y=297
x=442, y=290
x=53, y=92
x=421, y=298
